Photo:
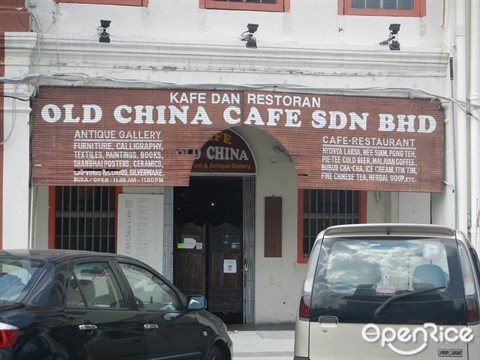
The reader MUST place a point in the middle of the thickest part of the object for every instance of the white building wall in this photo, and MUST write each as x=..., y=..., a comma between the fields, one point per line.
x=40, y=214
x=414, y=208
x=16, y=169
x=307, y=24
x=16, y=149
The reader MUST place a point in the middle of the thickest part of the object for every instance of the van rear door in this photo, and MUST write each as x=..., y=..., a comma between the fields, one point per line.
x=379, y=341
x=388, y=297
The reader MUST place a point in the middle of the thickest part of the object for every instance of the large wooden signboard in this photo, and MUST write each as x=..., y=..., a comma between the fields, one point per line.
x=145, y=137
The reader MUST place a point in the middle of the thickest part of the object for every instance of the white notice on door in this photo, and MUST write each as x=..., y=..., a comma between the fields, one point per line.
x=189, y=243
x=229, y=266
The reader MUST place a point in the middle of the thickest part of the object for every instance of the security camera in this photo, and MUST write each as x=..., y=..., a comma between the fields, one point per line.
x=104, y=36
x=392, y=40
x=252, y=28
x=394, y=28
x=105, y=23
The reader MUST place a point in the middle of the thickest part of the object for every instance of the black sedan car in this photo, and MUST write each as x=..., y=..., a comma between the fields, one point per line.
x=61, y=304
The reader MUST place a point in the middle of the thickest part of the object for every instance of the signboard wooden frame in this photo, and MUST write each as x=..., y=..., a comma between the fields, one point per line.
x=148, y=137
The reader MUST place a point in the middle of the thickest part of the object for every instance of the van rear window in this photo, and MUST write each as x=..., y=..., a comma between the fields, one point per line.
x=389, y=281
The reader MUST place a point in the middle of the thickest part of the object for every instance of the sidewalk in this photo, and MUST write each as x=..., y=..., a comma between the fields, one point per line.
x=266, y=342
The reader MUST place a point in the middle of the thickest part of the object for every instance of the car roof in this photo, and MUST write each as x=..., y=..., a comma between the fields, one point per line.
x=55, y=254
x=379, y=229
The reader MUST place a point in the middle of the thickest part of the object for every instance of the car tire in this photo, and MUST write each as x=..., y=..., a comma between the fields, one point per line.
x=215, y=354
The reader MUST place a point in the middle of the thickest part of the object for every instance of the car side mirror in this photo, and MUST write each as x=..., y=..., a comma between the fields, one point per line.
x=196, y=303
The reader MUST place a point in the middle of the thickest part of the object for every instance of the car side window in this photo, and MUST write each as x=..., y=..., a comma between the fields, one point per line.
x=150, y=291
x=94, y=285
x=15, y=275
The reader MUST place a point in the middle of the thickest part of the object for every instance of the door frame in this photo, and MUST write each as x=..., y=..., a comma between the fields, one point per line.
x=249, y=249
x=248, y=244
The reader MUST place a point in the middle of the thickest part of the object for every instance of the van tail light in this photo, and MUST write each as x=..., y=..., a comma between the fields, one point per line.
x=473, y=314
x=304, y=310
x=8, y=335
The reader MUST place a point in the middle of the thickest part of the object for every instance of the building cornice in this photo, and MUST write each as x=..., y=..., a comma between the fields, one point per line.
x=85, y=56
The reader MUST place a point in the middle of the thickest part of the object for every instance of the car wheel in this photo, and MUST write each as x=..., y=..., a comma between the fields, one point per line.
x=215, y=354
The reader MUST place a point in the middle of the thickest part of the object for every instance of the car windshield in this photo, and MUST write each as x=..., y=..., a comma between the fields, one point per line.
x=389, y=280
x=15, y=275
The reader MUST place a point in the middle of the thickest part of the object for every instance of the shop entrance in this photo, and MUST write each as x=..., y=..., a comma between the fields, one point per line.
x=208, y=246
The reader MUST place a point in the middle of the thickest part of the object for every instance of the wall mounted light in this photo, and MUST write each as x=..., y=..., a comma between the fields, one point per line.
x=392, y=40
x=104, y=36
x=251, y=41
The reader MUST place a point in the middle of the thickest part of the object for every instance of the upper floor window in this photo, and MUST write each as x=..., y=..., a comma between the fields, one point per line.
x=259, y=5
x=107, y=2
x=407, y=8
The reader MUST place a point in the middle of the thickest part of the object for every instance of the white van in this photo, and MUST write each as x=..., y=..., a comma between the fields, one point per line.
x=390, y=291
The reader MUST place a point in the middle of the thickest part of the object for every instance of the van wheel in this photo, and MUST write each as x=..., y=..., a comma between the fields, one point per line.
x=215, y=354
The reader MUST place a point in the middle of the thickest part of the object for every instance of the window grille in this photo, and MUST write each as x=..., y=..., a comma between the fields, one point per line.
x=382, y=4
x=248, y=5
x=85, y=218
x=324, y=208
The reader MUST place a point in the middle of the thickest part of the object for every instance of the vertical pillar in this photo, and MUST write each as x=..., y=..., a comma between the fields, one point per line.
x=475, y=124
x=14, y=24
x=249, y=249
x=461, y=119
x=168, y=233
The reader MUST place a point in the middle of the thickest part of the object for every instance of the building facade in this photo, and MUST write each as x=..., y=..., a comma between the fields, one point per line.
x=214, y=139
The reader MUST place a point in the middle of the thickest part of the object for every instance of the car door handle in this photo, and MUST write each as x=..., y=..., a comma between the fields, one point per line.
x=150, y=326
x=87, y=327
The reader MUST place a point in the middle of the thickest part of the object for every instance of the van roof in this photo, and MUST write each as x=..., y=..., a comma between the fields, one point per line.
x=390, y=229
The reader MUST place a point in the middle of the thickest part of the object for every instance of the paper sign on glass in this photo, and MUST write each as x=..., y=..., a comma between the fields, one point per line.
x=189, y=243
x=229, y=266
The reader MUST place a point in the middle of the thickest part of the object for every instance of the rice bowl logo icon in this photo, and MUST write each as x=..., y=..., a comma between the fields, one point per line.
x=428, y=332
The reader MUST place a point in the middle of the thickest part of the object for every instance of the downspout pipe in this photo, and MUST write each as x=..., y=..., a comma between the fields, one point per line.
x=461, y=118
x=474, y=97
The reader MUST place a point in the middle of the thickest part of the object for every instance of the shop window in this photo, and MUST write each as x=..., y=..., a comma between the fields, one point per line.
x=319, y=209
x=407, y=8
x=107, y=2
x=83, y=218
x=258, y=5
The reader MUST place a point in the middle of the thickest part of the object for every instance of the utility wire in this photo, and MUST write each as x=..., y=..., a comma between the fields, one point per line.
x=75, y=78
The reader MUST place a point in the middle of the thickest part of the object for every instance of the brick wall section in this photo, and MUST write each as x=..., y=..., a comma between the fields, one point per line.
x=13, y=18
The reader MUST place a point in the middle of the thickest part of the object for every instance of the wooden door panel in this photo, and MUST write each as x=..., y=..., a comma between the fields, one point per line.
x=226, y=289
x=190, y=272
x=225, y=283
x=189, y=263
